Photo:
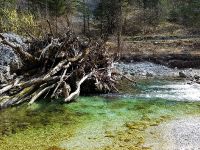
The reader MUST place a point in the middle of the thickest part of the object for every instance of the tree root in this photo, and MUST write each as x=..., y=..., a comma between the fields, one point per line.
x=58, y=68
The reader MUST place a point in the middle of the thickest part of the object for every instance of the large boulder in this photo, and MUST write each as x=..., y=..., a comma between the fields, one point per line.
x=8, y=59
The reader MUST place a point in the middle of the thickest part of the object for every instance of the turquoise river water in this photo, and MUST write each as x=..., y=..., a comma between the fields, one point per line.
x=113, y=121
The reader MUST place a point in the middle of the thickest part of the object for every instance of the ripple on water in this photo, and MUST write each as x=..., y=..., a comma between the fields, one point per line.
x=172, y=90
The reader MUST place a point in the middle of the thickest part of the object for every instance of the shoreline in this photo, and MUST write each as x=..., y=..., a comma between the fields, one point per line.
x=178, y=134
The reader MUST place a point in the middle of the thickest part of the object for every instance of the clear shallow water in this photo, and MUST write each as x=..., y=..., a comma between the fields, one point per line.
x=109, y=122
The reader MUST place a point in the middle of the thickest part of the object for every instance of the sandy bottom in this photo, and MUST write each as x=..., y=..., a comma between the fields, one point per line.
x=180, y=134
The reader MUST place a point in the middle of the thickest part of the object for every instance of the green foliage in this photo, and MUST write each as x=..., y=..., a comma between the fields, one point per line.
x=150, y=3
x=7, y=3
x=71, y=6
x=56, y=8
x=186, y=12
x=12, y=21
x=133, y=14
x=108, y=13
x=83, y=8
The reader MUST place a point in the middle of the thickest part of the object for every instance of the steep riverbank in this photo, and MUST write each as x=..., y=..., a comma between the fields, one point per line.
x=125, y=120
x=170, y=50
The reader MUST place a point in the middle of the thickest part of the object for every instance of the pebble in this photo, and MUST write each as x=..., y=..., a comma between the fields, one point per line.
x=182, y=134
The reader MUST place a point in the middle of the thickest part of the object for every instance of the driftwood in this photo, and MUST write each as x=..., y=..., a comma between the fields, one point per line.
x=76, y=93
x=58, y=67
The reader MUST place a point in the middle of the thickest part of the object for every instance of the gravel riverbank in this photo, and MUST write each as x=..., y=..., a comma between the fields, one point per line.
x=181, y=134
x=149, y=69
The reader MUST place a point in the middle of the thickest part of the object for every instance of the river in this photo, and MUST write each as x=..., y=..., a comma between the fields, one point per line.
x=105, y=122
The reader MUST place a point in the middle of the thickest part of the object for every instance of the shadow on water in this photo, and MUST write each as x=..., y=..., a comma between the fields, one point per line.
x=38, y=115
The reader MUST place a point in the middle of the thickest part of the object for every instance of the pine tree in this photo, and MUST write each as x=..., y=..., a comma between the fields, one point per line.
x=56, y=7
x=111, y=13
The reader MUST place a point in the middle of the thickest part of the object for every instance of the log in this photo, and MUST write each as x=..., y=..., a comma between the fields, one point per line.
x=8, y=87
x=16, y=99
x=5, y=89
x=38, y=81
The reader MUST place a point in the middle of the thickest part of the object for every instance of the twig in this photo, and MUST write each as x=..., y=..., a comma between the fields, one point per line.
x=51, y=31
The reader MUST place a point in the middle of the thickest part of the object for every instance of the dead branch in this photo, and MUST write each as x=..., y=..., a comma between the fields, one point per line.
x=75, y=94
x=39, y=93
x=50, y=28
x=66, y=89
x=59, y=83
x=57, y=68
x=8, y=87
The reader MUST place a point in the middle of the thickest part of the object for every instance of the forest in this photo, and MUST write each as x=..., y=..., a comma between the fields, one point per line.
x=97, y=17
x=99, y=74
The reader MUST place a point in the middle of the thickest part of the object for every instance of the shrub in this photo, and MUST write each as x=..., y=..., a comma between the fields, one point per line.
x=13, y=21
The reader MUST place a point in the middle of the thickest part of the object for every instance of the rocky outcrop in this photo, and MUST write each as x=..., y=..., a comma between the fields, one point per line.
x=8, y=59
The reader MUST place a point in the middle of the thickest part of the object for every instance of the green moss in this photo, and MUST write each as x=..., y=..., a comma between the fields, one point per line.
x=38, y=126
x=25, y=91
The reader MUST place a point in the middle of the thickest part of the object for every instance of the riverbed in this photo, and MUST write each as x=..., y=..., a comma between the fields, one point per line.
x=106, y=122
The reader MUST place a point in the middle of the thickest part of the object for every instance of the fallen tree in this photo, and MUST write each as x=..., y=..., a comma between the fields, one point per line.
x=56, y=67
